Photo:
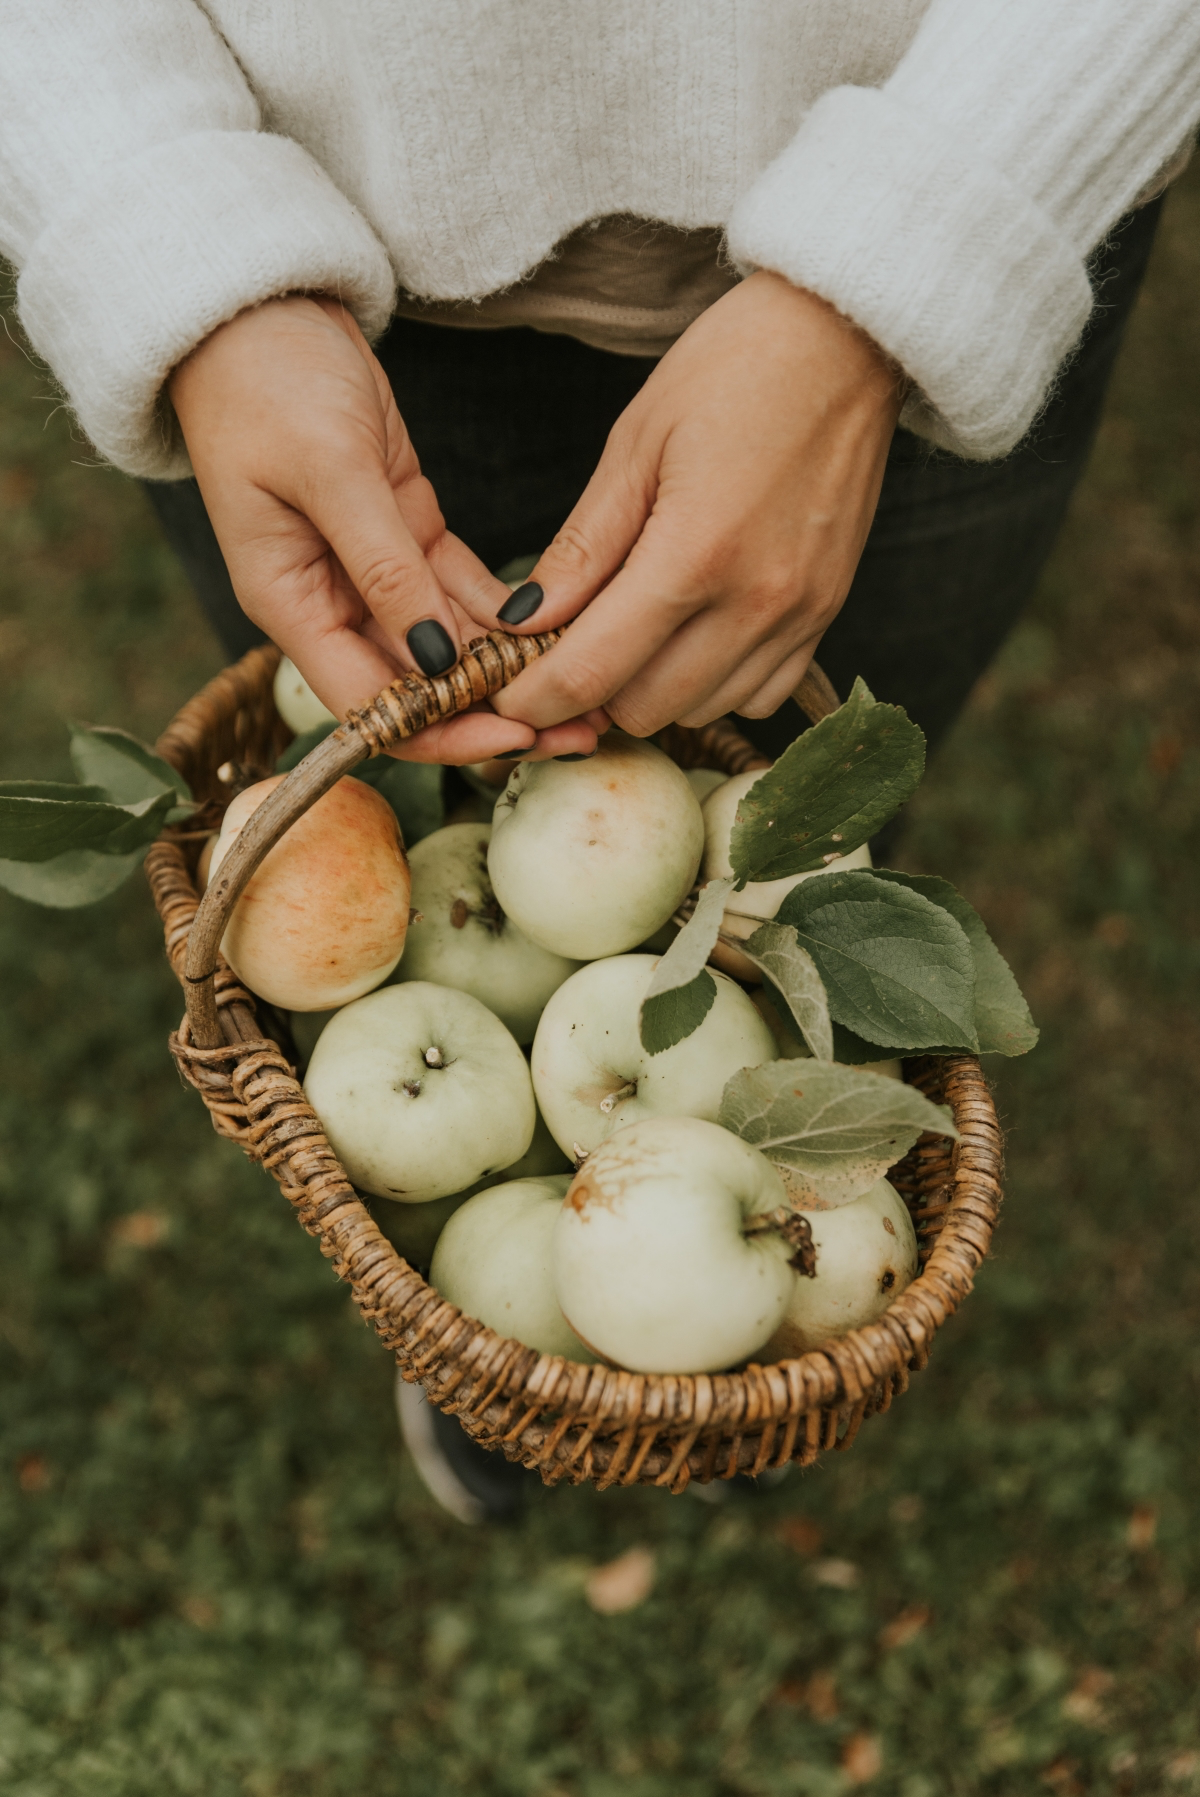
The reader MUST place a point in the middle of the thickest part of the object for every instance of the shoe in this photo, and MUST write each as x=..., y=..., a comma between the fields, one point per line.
x=474, y=1484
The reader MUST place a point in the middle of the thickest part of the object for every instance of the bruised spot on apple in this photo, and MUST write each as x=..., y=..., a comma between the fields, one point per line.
x=324, y=916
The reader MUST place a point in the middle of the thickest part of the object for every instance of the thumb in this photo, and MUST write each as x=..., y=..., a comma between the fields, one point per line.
x=593, y=543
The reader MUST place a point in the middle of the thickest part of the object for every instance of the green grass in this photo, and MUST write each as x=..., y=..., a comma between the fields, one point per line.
x=219, y=1573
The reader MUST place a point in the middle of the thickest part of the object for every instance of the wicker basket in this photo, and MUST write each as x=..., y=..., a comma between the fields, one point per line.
x=569, y=1421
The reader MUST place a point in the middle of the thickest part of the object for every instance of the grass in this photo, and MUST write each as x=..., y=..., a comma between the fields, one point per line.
x=219, y=1573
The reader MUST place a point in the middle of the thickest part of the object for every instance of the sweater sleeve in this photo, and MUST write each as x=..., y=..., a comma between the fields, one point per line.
x=143, y=205
x=951, y=211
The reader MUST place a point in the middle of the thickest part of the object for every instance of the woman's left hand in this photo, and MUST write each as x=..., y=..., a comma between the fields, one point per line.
x=720, y=532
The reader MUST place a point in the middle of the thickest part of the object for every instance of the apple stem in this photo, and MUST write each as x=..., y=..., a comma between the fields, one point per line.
x=608, y=1105
x=796, y=1231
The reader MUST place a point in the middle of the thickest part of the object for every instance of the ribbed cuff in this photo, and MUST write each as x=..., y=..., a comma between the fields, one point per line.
x=174, y=242
x=958, y=275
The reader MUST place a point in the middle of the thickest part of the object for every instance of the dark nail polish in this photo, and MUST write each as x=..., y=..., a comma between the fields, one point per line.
x=522, y=604
x=510, y=755
x=578, y=756
x=431, y=647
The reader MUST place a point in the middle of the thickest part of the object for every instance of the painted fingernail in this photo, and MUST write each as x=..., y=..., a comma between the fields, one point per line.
x=578, y=756
x=522, y=604
x=431, y=647
x=510, y=755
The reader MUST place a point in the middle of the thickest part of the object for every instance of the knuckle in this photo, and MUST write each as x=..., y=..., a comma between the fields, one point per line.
x=580, y=684
x=571, y=550
x=634, y=716
x=389, y=586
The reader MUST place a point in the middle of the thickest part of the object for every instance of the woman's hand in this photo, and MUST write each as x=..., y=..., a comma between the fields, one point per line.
x=719, y=535
x=332, y=535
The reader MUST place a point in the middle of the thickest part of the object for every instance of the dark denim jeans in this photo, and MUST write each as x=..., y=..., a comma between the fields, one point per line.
x=510, y=424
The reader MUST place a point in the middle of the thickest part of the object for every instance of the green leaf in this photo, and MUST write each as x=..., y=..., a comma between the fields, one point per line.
x=897, y=968
x=80, y=877
x=682, y=991
x=669, y=1017
x=829, y=791
x=126, y=769
x=1002, y=1020
x=413, y=789
x=853, y=1051
x=38, y=822
x=776, y=951
x=835, y=1129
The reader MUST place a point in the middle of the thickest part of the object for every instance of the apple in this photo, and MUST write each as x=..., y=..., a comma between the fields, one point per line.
x=421, y=1091
x=704, y=780
x=592, y=1075
x=866, y=1255
x=296, y=702
x=462, y=938
x=493, y=1261
x=760, y=899
x=654, y=1266
x=590, y=857
x=413, y=1229
x=324, y=916
x=204, y=864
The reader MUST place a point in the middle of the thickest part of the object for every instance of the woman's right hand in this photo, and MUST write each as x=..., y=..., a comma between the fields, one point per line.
x=332, y=535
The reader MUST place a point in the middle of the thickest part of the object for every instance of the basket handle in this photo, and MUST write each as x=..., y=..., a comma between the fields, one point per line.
x=409, y=704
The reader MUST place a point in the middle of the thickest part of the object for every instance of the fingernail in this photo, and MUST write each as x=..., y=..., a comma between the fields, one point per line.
x=578, y=756
x=510, y=755
x=522, y=604
x=431, y=647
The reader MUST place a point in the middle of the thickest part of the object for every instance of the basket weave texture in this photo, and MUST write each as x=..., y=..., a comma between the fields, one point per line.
x=571, y=1422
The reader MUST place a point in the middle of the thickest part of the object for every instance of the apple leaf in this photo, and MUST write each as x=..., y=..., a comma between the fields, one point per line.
x=40, y=819
x=897, y=968
x=835, y=1129
x=775, y=950
x=829, y=791
x=1002, y=1020
x=854, y=1051
x=126, y=769
x=80, y=877
x=682, y=991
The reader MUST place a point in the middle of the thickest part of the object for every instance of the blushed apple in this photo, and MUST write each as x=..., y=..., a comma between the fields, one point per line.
x=463, y=938
x=296, y=702
x=590, y=857
x=593, y=1076
x=657, y=1263
x=324, y=916
x=493, y=1261
x=866, y=1255
x=421, y=1091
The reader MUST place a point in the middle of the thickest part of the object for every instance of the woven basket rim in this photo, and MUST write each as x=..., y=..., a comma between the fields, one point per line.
x=570, y=1420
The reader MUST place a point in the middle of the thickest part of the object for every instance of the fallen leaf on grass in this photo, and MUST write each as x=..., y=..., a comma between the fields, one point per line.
x=1142, y=1527
x=33, y=1473
x=1082, y=1702
x=140, y=1229
x=862, y=1759
x=800, y=1533
x=201, y=1612
x=816, y=1694
x=621, y=1584
x=841, y=1575
x=1183, y=1765
x=904, y=1628
x=1061, y=1778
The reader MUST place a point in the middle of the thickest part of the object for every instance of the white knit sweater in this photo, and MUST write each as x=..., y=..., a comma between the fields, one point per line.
x=937, y=169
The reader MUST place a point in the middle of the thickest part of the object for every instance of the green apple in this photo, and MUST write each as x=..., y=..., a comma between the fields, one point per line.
x=654, y=1265
x=760, y=899
x=421, y=1091
x=866, y=1255
x=462, y=938
x=590, y=857
x=413, y=1229
x=592, y=1075
x=704, y=780
x=789, y=1046
x=493, y=1261
x=296, y=702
